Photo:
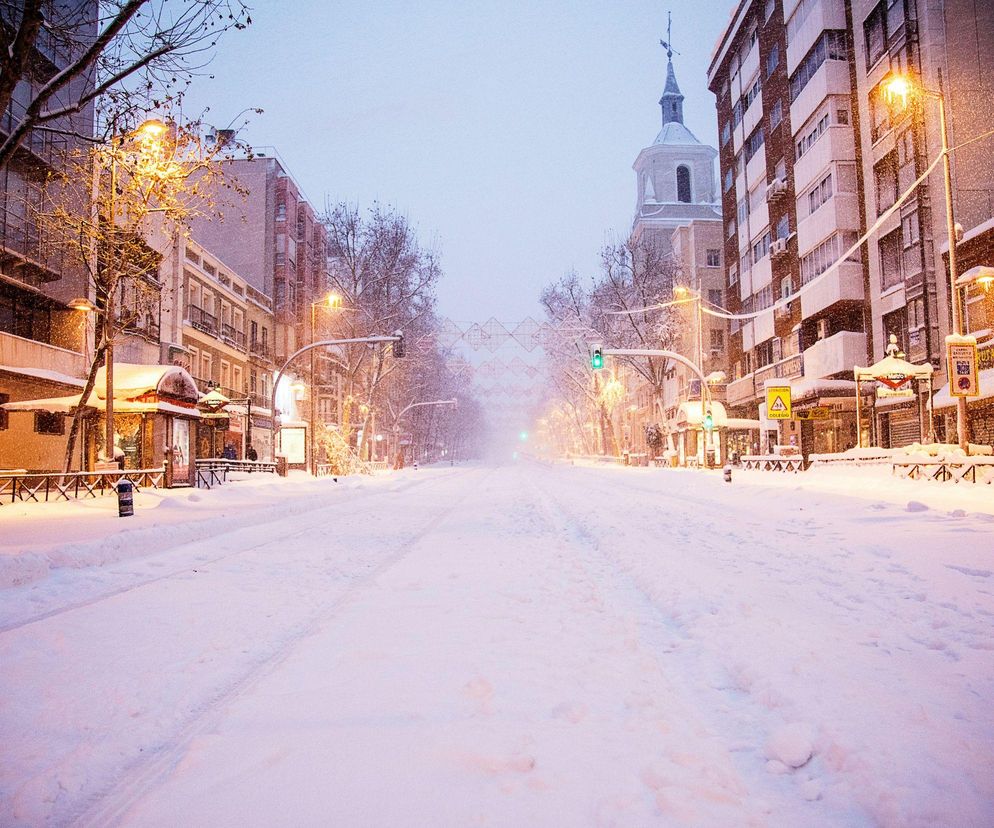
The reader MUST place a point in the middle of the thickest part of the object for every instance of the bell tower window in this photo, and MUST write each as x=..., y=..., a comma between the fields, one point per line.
x=683, y=184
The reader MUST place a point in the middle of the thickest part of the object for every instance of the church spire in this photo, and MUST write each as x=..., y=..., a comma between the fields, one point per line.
x=672, y=100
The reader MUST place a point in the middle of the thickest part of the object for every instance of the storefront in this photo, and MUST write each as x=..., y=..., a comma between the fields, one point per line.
x=155, y=415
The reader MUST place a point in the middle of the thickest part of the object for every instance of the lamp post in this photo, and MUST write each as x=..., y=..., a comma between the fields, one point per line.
x=150, y=137
x=899, y=90
x=332, y=300
x=686, y=294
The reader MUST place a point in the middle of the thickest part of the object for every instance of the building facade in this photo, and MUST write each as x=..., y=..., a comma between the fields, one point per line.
x=812, y=156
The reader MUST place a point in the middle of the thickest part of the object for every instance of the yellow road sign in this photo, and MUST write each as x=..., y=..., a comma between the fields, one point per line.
x=778, y=402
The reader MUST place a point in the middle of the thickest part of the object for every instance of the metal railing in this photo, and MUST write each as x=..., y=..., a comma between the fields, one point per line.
x=53, y=486
x=260, y=349
x=966, y=470
x=214, y=471
x=233, y=336
x=202, y=320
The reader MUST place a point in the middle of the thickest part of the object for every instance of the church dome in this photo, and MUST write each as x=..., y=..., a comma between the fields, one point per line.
x=674, y=132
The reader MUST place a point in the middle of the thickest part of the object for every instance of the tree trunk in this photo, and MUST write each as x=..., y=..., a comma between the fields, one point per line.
x=77, y=416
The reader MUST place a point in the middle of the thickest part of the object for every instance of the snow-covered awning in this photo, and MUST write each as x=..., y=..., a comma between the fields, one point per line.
x=893, y=371
x=943, y=399
x=168, y=389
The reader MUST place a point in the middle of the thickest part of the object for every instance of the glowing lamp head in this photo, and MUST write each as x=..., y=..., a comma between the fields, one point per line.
x=897, y=91
x=708, y=422
x=334, y=300
x=153, y=128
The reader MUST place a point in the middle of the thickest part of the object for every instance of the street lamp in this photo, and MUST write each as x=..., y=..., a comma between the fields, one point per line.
x=686, y=294
x=331, y=301
x=899, y=90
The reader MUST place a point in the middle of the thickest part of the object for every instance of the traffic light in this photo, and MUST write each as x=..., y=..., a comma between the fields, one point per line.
x=398, y=345
x=708, y=421
x=597, y=357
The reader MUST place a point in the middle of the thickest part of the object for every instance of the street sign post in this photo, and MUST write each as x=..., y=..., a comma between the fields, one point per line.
x=962, y=362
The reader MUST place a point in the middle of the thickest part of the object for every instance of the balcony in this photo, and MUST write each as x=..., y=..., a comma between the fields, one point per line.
x=837, y=354
x=832, y=78
x=233, y=337
x=840, y=212
x=201, y=320
x=844, y=285
x=821, y=16
x=835, y=144
x=18, y=352
x=260, y=349
x=789, y=368
x=741, y=391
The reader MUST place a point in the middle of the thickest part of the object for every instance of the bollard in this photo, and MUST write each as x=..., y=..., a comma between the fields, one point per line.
x=728, y=473
x=125, y=498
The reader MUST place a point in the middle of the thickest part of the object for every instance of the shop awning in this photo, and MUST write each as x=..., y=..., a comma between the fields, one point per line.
x=168, y=389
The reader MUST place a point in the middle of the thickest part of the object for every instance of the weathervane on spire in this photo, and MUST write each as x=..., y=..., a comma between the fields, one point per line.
x=668, y=43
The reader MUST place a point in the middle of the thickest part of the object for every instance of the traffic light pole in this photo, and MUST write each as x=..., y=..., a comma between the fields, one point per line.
x=397, y=338
x=652, y=352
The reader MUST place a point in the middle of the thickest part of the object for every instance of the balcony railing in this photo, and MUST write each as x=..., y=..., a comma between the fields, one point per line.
x=260, y=349
x=233, y=336
x=792, y=366
x=201, y=320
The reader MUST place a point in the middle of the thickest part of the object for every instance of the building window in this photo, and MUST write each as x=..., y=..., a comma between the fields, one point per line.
x=885, y=178
x=809, y=138
x=733, y=275
x=776, y=114
x=772, y=60
x=761, y=247
x=754, y=143
x=821, y=193
x=875, y=34
x=281, y=212
x=4, y=421
x=714, y=257
x=726, y=133
x=717, y=339
x=683, y=184
x=714, y=297
x=783, y=227
x=730, y=228
x=47, y=423
x=830, y=46
x=910, y=229
x=728, y=179
x=742, y=209
x=771, y=6
x=890, y=259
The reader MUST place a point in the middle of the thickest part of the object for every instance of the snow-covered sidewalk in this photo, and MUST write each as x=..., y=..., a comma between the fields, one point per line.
x=528, y=645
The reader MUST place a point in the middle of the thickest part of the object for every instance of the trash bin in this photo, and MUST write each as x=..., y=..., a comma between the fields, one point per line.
x=125, y=497
x=281, y=465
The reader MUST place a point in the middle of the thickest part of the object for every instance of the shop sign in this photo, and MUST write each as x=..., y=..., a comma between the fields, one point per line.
x=292, y=445
x=819, y=412
x=962, y=362
x=778, y=402
x=890, y=393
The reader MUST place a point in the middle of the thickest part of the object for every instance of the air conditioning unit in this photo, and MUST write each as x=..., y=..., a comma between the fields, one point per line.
x=823, y=329
x=776, y=188
x=778, y=247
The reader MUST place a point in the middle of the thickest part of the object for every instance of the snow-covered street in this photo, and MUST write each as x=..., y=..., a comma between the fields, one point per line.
x=522, y=645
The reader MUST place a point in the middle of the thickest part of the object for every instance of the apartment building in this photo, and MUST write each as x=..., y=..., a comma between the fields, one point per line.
x=942, y=48
x=44, y=344
x=813, y=154
x=218, y=327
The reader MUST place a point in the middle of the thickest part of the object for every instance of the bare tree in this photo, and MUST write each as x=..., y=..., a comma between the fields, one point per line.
x=59, y=58
x=387, y=280
x=104, y=210
x=637, y=274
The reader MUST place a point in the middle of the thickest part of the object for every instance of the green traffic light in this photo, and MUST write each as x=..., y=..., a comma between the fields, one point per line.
x=523, y=436
x=708, y=422
x=597, y=360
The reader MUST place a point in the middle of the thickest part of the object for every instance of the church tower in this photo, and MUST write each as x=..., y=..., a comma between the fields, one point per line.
x=675, y=178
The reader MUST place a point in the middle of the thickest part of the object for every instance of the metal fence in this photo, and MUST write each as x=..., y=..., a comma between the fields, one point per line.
x=52, y=486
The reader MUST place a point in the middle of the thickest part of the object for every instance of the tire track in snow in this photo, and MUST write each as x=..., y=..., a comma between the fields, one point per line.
x=736, y=720
x=110, y=806
x=271, y=517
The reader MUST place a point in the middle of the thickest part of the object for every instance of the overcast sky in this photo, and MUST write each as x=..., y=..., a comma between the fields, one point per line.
x=504, y=130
